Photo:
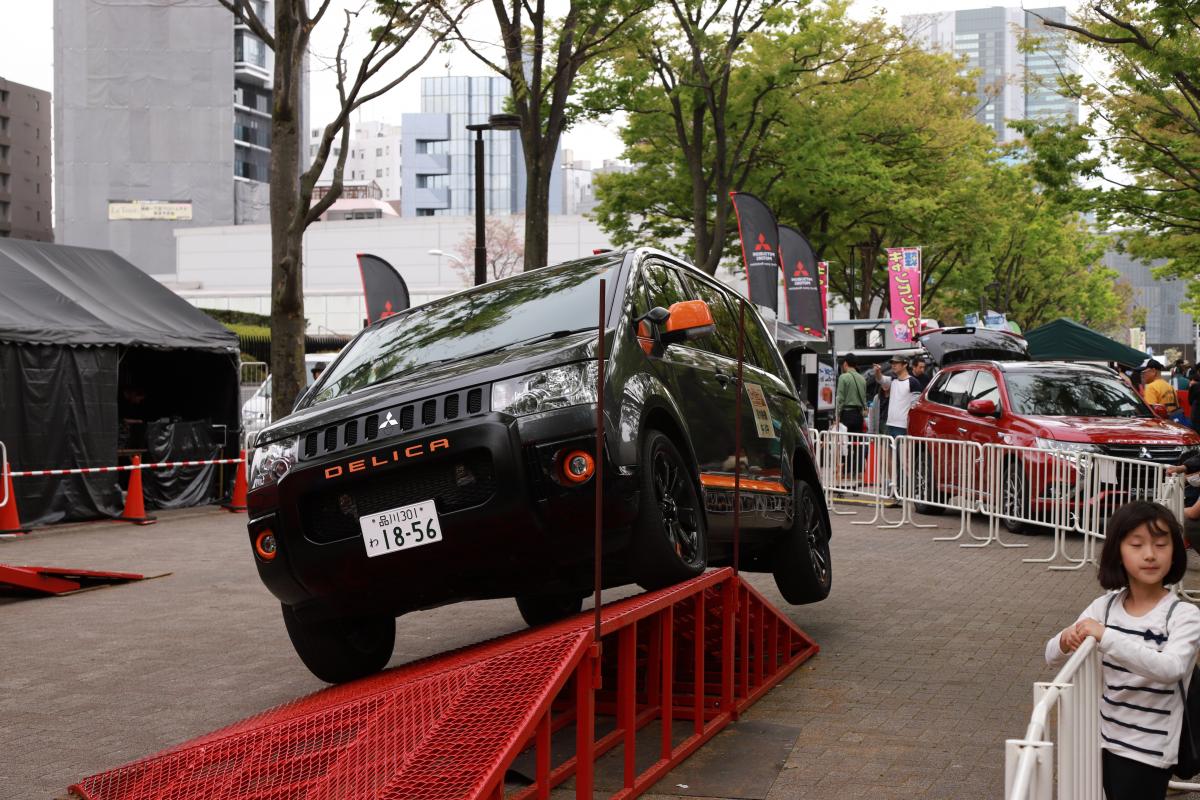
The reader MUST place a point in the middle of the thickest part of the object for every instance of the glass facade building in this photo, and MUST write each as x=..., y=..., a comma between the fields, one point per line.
x=1011, y=84
x=439, y=152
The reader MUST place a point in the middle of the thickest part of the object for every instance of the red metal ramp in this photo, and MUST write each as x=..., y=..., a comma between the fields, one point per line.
x=451, y=726
x=57, y=580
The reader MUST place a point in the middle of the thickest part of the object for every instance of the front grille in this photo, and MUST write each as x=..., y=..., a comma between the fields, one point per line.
x=1155, y=453
x=389, y=422
x=454, y=483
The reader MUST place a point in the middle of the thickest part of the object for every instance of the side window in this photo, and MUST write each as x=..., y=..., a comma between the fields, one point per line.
x=663, y=287
x=723, y=341
x=958, y=388
x=758, y=342
x=985, y=388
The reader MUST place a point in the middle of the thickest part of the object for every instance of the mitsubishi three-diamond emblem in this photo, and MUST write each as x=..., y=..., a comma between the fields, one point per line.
x=388, y=420
x=1145, y=453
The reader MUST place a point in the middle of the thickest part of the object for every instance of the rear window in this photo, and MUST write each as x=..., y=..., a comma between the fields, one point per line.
x=1072, y=395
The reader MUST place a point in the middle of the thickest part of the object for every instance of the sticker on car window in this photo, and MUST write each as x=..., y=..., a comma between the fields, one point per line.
x=762, y=412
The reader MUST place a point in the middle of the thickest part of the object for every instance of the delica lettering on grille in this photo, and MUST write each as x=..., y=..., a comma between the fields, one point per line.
x=376, y=460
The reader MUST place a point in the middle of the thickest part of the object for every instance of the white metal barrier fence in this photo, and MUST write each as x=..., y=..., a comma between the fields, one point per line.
x=936, y=475
x=255, y=401
x=1030, y=764
x=3, y=475
x=857, y=464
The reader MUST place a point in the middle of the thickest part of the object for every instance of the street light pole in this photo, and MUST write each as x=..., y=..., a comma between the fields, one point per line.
x=496, y=122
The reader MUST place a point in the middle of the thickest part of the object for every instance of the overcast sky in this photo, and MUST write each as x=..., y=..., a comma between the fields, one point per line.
x=27, y=55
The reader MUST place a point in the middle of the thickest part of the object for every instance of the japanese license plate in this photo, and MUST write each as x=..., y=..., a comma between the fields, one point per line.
x=400, y=528
x=1108, y=471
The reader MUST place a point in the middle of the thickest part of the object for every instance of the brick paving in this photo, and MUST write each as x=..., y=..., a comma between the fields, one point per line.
x=929, y=653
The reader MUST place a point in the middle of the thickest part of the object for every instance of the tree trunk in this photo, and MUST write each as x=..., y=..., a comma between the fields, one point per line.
x=537, y=203
x=287, y=226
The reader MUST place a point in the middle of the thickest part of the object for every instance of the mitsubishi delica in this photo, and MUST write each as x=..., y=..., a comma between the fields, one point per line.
x=449, y=453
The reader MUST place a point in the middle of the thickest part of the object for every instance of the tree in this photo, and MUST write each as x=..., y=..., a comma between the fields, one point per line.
x=542, y=56
x=706, y=84
x=505, y=250
x=1146, y=117
x=397, y=23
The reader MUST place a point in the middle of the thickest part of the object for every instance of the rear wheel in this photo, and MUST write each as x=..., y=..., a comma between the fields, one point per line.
x=542, y=609
x=340, y=650
x=670, y=538
x=803, y=568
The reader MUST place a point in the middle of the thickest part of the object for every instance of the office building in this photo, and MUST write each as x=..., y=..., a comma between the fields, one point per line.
x=25, y=211
x=1012, y=85
x=375, y=150
x=438, y=170
x=1167, y=326
x=162, y=121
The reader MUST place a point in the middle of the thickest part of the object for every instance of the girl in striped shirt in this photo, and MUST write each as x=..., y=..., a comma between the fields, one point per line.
x=1147, y=641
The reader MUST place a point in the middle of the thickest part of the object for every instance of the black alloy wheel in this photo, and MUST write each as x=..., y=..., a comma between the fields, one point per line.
x=340, y=650
x=670, y=540
x=923, y=482
x=1013, y=502
x=803, y=565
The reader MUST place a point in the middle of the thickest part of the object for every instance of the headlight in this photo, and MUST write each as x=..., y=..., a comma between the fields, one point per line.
x=1067, y=447
x=571, y=385
x=270, y=463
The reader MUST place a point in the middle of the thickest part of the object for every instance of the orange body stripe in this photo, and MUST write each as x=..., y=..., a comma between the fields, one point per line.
x=710, y=481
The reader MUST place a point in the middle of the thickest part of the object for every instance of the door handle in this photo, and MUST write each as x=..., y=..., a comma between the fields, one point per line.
x=724, y=379
x=961, y=430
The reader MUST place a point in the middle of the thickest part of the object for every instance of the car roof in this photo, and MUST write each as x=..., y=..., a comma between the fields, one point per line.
x=1035, y=366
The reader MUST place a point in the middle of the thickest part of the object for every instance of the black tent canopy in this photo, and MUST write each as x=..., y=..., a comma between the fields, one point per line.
x=1067, y=340
x=98, y=357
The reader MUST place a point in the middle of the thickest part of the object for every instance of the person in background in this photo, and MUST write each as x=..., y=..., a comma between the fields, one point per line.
x=1193, y=395
x=851, y=401
x=903, y=390
x=317, y=369
x=1157, y=391
x=921, y=372
x=1179, y=376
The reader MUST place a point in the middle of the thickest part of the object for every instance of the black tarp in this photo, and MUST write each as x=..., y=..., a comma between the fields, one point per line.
x=76, y=326
x=1067, y=340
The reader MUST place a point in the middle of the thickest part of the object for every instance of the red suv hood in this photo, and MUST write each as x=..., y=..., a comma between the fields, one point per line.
x=1112, y=430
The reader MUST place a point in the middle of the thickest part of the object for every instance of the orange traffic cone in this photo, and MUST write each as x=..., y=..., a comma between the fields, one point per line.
x=237, y=501
x=135, y=505
x=10, y=520
x=869, y=467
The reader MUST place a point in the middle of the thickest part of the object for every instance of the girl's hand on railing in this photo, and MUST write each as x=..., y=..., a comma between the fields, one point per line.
x=1089, y=627
x=1070, y=639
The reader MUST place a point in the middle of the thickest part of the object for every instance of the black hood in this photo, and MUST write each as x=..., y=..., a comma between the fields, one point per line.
x=437, y=380
x=952, y=345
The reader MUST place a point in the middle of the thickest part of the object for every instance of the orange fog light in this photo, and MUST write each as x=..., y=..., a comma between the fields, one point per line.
x=577, y=466
x=265, y=545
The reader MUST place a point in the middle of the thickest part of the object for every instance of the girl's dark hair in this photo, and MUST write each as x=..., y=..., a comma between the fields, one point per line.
x=1125, y=520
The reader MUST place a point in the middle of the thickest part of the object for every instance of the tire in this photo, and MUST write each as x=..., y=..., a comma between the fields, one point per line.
x=670, y=535
x=341, y=650
x=542, y=609
x=923, y=479
x=1015, y=502
x=803, y=569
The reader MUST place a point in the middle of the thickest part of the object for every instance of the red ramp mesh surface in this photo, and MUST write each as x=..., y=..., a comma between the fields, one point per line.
x=446, y=728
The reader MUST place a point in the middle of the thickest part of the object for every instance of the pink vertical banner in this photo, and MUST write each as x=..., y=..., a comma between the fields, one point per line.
x=823, y=279
x=904, y=281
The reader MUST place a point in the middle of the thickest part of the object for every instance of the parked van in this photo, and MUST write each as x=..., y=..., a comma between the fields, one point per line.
x=256, y=411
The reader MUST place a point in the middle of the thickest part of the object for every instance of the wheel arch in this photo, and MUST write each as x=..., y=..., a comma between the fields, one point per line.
x=804, y=469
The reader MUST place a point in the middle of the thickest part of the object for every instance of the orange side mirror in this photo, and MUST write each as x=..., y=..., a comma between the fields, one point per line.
x=689, y=319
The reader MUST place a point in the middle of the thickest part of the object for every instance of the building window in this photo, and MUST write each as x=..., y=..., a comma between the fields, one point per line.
x=3, y=95
x=378, y=173
x=378, y=151
x=3, y=124
x=39, y=188
x=4, y=153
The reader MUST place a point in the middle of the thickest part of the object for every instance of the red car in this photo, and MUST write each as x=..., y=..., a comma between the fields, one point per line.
x=1065, y=409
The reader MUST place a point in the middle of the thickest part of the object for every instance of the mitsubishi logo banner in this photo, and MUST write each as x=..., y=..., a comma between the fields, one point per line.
x=759, y=233
x=803, y=281
x=383, y=289
x=904, y=281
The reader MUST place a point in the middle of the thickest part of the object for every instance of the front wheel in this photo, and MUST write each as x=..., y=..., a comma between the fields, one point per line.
x=340, y=650
x=670, y=539
x=803, y=568
x=924, y=484
x=1015, y=502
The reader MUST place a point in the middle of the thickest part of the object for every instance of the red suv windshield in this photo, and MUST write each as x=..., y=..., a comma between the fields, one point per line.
x=1073, y=395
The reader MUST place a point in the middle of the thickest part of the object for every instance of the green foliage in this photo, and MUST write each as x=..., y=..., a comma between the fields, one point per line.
x=859, y=140
x=1144, y=119
x=227, y=315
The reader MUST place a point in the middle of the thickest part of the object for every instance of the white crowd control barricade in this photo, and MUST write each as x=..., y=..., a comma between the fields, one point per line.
x=255, y=400
x=936, y=475
x=1110, y=483
x=858, y=465
x=1030, y=765
x=1033, y=487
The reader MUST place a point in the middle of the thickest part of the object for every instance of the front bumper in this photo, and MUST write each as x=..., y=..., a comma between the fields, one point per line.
x=508, y=528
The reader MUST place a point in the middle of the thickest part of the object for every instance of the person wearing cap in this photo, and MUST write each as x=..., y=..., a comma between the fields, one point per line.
x=1155, y=390
x=903, y=391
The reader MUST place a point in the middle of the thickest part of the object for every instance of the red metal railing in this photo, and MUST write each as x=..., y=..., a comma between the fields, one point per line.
x=688, y=658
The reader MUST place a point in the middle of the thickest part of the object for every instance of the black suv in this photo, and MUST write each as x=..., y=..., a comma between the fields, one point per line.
x=448, y=454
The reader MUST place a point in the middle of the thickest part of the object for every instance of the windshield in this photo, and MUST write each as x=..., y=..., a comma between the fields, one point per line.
x=548, y=302
x=1073, y=395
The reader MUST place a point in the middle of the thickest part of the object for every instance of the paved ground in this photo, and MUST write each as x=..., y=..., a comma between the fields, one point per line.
x=929, y=653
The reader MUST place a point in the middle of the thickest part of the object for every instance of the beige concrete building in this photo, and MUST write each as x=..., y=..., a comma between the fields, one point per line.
x=25, y=159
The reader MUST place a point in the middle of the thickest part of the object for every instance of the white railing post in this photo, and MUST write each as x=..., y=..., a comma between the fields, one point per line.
x=3, y=475
x=255, y=413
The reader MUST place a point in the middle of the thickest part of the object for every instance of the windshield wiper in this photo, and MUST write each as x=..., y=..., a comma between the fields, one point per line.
x=541, y=337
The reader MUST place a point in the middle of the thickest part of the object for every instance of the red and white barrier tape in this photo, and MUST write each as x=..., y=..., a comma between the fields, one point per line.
x=39, y=473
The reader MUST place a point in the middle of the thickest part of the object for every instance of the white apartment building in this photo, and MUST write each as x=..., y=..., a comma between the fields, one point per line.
x=374, y=156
